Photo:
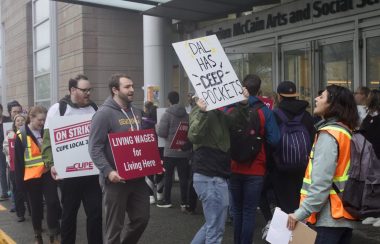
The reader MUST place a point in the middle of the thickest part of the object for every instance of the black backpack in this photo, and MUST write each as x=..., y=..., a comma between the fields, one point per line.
x=246, y=141
x=63, y=107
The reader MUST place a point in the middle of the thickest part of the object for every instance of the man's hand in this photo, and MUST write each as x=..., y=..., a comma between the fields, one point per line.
x=114, y=177
x=54, y=173
x=292, y=221
x=246, y=95
x=202, y=105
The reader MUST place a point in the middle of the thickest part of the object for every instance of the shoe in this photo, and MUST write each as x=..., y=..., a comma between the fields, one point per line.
x=160, y=196
x=12, y=210
x=152, y=200
x=377, y=223
x=21, y=219
x=265, y=230
x=369, y=221
x=4, y=197
x=38, y=239
x=184, y=207
x=163, y=204
x=54, y=239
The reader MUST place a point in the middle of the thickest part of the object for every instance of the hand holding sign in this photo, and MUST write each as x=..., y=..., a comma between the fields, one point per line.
x=210, y=71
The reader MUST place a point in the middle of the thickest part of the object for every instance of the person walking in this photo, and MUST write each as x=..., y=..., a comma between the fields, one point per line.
x=3, y=164
x=33, y=177
x=117, y=114
x=18, y=196
x=167, y=127
x=329, y=162
x=76, y=190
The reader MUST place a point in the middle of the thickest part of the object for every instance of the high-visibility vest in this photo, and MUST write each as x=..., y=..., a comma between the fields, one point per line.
x=343, y=138
x=34, y=165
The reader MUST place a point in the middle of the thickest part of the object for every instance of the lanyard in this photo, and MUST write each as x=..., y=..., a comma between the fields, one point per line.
x=130, y=121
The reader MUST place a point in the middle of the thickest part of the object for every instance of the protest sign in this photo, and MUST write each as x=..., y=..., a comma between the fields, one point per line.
x=180, y=136
x=135, y=153
x=11, y=145
x=210, y=71
x=7, y=127
x=69, y=143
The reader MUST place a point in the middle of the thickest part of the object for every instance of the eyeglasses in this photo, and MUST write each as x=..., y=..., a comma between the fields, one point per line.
x=84, y=90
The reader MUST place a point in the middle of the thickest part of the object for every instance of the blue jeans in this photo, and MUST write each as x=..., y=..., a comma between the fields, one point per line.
x=331, y=235
x=213, y=192
x=246, y=192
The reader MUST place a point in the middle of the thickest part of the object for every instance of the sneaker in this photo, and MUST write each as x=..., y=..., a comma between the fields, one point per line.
x=21, y=219
x=163, y=204
x=265, y=230
x=369, y=221
x=377, y=223
x=160, y=196
x=152, y=200
x=38, y=239
x=54, y=239
x=4, y=197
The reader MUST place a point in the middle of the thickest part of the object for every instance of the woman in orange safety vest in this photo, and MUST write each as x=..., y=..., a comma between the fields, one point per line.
x=329, y=162
x=33, y=177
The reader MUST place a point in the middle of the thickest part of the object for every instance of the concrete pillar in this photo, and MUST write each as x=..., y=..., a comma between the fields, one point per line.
x=156, y=59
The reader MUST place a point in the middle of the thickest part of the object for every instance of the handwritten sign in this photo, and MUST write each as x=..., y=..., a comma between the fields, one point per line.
x=69, y=143
x=210, y=71
x=135, y=153
x=180, y=136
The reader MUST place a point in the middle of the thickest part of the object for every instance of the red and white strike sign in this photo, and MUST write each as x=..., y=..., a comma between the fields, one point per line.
x=135, y=153
x=180, y=136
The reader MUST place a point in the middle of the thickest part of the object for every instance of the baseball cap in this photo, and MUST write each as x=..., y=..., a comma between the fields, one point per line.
x=287, y=89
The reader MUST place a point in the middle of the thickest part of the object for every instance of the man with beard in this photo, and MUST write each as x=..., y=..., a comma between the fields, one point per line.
x=85, y=189
x=118, y=115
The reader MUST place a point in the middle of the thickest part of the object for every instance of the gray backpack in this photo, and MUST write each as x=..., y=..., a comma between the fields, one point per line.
x=361, y=195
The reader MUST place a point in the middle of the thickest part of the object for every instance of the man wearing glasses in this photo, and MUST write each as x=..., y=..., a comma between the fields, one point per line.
x=85, y=189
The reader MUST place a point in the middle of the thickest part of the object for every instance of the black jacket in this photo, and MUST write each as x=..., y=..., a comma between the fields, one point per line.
x=370, y=128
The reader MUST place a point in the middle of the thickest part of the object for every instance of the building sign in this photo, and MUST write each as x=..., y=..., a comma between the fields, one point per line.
x=69, y=143
x=296, y=12
x=135, y=153
x=210, y=71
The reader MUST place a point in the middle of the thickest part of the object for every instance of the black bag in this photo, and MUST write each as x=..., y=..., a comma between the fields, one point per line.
x=246, y=141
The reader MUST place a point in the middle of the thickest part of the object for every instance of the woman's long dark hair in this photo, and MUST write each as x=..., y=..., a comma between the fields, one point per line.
x=373, y=102
x=342, y=106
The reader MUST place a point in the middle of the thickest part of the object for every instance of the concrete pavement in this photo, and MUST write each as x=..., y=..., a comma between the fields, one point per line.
x=166, y=226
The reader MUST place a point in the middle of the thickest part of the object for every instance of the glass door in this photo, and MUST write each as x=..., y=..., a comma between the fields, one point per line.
x=336, y=62
x=371, y=59
x=296, y=67
x=254, y=61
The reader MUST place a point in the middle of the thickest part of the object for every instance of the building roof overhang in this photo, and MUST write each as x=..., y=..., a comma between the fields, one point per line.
x=186, y=10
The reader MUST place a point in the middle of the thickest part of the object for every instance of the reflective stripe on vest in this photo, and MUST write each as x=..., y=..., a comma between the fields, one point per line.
x=32, y=154
x=343, y=138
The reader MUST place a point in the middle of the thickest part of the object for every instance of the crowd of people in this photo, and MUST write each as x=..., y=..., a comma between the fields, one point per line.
x=292, y=163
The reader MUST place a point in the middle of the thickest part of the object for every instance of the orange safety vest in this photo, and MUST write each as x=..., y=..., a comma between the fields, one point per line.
x=34, y=166
x=343, y=138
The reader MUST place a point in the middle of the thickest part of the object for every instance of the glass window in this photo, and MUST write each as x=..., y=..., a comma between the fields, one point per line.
x=254, y=63
x=42, y=61
x=297, y=69
x=373, y=63
x=42, y=35
x=261, y=65
x=337, y=64
x=41, y=10
x=42, y=86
